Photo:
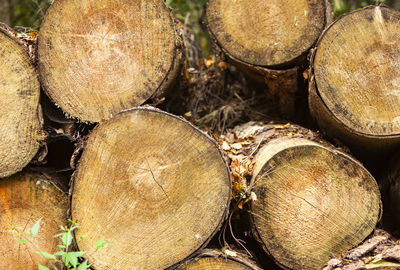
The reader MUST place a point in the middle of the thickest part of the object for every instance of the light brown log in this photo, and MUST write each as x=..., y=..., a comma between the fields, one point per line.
x=354, y=86
x=21, y=130
x=216, y=260
x=24, y=199
x=309, y=201
x=152, y=183
x=99, y=58
x=269, y=40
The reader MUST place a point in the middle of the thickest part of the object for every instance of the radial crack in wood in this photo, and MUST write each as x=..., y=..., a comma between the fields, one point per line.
x=312, y=202
x=308, y=200
x=19, y=87
x=266, y=33
x=154, y=185
x=354, y=94
x=99, y=58
x=269, y=42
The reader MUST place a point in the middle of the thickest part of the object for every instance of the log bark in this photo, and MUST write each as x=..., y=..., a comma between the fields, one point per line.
x=380, y=251
x=269, y=40
x=153, y=184
x=25, y=198
x=21, y=129
x=309, y=201
x=354, y=83
x=99, y=58
x=210, y=259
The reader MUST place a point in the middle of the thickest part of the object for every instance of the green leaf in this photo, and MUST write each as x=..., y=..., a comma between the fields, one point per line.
x=84, y=266
x=20, y=241
x=46, y=255
x=60, y=253
x=35, y=228
x=68, y=239
x=72, y=258
x=41, y=267
x=100, y=244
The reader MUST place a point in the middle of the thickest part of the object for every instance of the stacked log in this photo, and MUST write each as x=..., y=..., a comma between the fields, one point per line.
x=210, y=259
x=354, y=87
x=309, y=201
x=24, y=199
x=21, y=130
x=269, y=40
x=155, y=185
x=98, y=58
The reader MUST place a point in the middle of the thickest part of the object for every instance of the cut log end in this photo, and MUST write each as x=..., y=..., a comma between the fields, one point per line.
x=99, y=58
x=312, y=203
x=210, y=259
x=266, y=33
x=211, y=263
x=24, y=199
x=19, y=87
x=357, y=71
x=154, y=185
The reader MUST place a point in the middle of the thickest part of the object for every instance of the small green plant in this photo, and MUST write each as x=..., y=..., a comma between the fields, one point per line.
x=66, y=257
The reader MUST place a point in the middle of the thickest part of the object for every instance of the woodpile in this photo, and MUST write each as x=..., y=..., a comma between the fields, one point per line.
x=89, y=106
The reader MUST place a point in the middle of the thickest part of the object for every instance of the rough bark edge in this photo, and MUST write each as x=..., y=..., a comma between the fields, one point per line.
x=263, y=70
x=165, y=85
x=230, y=255
x=256, y=233
x=207, y=137
x=173, y=72
x=327, y=120
x=323, y=144
x=282, y=80
x=28, y=46
x=379, y=243
x=47, y=176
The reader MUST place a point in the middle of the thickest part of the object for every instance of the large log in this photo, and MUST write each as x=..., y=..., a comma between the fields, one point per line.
x=153, y=184
x=24, y=199
x=99, y=58
x=21, y=130
x=354, y=90
x=269, y=40
x=309, y=201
